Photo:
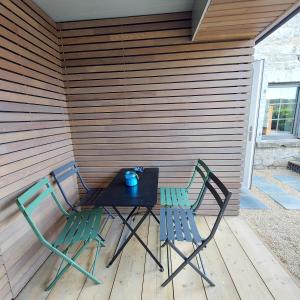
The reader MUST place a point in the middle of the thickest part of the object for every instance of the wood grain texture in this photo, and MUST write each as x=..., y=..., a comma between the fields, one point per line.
x=35, y=134
x=240, y=19
x=225, y=259
x=121, y=92
x=140, y=93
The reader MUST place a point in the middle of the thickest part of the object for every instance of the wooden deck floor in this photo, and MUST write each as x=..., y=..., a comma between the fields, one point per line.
x=236, y=260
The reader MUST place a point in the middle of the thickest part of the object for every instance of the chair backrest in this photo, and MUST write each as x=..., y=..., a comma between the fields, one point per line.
x=222, y=198
x=203, y=170
x=64, y=172
x=30, y=200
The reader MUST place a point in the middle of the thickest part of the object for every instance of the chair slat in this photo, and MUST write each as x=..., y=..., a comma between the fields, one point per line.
x=185, y=226
x=174, y=197
x=66, y=175
x=61, y=169
x=170, y=228
x=33, y=190
x=184, y=197
x=89, y=220
x=162, y=222
x=60, y=239
x=96, y=222
x=162, y=196
x=179, y=199
x=35, y=203
x=77, y=221
x=168, y=196
x=179, y=234
x=194, y=230
x=79, y=236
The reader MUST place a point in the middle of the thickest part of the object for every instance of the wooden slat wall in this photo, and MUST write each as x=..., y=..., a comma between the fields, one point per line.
x=228, y=20
x=140, y=93
x=35, y=134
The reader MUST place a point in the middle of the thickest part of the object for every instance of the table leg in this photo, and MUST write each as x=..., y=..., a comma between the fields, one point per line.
x=121, y=240
x=133, y=233
x=154, y=216
x=131, y=213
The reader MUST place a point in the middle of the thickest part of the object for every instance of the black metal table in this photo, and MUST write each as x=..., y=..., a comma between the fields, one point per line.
x=143, y=195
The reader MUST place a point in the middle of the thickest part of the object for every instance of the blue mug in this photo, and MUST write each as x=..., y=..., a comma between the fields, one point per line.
x=131, y=178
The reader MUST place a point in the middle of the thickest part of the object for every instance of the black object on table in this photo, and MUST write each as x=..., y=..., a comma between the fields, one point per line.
x=144, y=195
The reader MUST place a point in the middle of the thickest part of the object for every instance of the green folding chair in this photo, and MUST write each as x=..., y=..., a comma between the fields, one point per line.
x=179, y=197
x=81, y=227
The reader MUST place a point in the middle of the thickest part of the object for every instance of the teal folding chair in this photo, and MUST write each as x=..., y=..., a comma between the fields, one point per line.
x=81, y=227
x=179, y=197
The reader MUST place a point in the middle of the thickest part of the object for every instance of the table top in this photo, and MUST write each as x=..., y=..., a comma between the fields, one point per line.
x=144, y=194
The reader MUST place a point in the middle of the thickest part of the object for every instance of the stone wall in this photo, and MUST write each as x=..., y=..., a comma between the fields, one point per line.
x=276, y=154
x=281, y=53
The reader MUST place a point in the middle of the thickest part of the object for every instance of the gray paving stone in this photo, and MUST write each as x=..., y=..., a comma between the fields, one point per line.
x=276, y=193
x=249, y=201
x=292, y=181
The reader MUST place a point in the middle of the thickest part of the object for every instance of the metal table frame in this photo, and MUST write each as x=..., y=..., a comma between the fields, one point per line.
x=133, y=233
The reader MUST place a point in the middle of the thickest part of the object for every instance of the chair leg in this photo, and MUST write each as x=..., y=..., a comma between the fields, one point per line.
x=99, y=243
x=187, y=261
x=108, y=212
x=200, y=258
x=101, y=237
x=71, y=262
x=191, y=264
x=164, y=244
x=202, y=265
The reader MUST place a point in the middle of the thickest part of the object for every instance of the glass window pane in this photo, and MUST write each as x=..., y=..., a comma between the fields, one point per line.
x=275, y=111
x=274, y=124
x=280, y=110
x=274, y=101
x=285, y=125
x=287, y=111
x=288, y=92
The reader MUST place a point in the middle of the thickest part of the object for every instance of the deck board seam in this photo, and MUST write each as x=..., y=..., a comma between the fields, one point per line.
x=225, y=220
x=219, y=251
x=118, y=262
x=143, y=281
x=199, y=266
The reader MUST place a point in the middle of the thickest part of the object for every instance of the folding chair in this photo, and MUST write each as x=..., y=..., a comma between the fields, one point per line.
x=178, y=197
x=64, y=172
x=178, y=224
x=81, y=227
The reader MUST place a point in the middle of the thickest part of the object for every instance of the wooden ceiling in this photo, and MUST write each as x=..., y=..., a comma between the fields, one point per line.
x=227, y=20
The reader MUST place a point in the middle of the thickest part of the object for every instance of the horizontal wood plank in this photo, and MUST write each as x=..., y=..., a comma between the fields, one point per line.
x=239, y=20
x=35, y=134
